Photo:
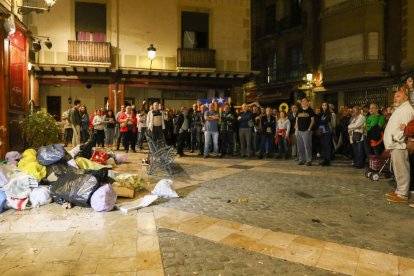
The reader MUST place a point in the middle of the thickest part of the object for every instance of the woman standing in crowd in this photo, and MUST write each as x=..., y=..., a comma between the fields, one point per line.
x=374, y=124
x=283, y=127
x=84, y=124
x=128, y=123
x=356, y=136
x=98, y=127
x=109, y=120
x=325, y=134
x=142, y=126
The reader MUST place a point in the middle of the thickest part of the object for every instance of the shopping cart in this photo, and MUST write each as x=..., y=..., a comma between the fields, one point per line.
x=379, y=164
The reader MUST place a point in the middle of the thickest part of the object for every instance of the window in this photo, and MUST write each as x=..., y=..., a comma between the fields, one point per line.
x=90, y=21
x=296, y=61
x=270, y=19
x=272, y=69
x=194, y=30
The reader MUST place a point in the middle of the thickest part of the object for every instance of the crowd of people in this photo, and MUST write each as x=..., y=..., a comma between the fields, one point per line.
x=302, y=133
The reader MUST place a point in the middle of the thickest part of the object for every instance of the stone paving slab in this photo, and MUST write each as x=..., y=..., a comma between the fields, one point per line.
x=188, y=255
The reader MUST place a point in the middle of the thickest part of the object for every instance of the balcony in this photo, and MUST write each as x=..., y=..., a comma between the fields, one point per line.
x=196, y=58
x=87, y=52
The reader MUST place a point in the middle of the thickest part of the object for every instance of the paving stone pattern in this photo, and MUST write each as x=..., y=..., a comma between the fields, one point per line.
x=188, y=255
x=343, y=207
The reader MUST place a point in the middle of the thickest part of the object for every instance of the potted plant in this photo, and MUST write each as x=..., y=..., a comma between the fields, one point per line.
x=40, y=129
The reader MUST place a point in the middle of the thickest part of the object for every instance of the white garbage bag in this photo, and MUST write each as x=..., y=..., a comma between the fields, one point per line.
x=164, y=189
x=40, y=196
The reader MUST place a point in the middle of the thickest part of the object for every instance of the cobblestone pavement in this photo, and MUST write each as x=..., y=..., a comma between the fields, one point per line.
x=336, y=204
x=234, y=217
x=187, y=255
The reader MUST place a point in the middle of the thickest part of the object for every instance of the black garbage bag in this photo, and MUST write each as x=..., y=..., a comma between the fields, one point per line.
x=75, y=188
x=86, y=149
x=50, y=154
x=101, y=174
x=60, y=168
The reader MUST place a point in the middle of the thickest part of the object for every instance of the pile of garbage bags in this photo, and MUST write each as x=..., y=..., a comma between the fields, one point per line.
x=75, y=178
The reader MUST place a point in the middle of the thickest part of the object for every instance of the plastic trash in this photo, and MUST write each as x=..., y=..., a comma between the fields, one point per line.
x=130, y=181
x=20, y=186
x=4, y=171
x=103, y=199
x=59, y=169
x=75, y=151
x=18, y=204
x=50, y=154
x=2, y=200
x=87, y=164
x=40, y=196
x=121, y=158
x=13, y=157
x=140, y=203
x=30, y=165
x=164, y=189
x=99, y=157
x=75, y=188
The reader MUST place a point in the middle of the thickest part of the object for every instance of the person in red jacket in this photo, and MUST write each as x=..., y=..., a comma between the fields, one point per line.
x=128, y=128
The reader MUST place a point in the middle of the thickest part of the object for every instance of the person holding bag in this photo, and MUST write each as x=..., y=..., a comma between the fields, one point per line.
x=356, y=137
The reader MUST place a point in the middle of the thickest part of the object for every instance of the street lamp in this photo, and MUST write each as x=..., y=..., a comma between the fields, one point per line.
x=151, y=53
x=37, y=6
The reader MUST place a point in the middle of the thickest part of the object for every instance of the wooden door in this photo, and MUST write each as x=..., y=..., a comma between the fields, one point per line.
x=53, y=104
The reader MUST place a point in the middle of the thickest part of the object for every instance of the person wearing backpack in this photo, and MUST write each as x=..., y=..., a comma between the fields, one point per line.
x=75, y=119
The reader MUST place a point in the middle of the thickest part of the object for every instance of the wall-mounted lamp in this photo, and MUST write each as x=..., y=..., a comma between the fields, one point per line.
x=37, y=6
x=151, y=53
x=37, y=46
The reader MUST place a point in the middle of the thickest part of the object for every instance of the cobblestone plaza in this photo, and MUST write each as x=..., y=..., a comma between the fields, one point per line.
x=233, y=217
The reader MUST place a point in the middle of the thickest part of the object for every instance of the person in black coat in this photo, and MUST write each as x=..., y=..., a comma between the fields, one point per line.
x=181, y=130
x=324, y=133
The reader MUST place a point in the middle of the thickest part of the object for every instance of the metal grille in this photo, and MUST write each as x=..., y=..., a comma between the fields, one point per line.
x=367, y=96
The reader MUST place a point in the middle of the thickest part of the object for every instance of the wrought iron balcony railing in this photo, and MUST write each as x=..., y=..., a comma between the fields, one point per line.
x=89, y=52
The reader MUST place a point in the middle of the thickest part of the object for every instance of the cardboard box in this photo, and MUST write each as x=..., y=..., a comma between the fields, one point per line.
x=124, y=192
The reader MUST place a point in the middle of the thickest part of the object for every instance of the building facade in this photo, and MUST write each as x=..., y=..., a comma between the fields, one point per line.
x=100, y=52
x=285, y=37
x=360, y=51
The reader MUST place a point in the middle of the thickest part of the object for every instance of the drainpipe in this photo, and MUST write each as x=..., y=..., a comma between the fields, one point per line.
x=116, y=61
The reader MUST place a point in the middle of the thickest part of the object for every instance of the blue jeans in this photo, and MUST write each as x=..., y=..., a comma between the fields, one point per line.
x=282, y=144
x=195, y=138
x=208, y=135
x=141, y=136
x=359, y=154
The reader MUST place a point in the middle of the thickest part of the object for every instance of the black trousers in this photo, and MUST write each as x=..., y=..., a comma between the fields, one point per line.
x=157, y=134
x=100, y=137
x=68, y=135
x=128, y=139
x=226, y=142
x=181, y=139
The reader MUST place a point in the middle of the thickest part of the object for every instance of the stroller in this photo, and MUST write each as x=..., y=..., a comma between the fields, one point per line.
x=379, y=164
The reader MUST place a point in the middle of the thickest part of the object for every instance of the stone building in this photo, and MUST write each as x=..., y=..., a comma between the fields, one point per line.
x=100, y=52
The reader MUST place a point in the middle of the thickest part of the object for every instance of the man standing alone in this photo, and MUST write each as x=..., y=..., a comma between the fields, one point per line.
x=304, y=123
x=75, y=119
x=395, y=141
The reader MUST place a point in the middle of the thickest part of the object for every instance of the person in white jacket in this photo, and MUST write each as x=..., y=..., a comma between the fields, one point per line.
x=156, y=122
x=395, y=141
x=356, y=136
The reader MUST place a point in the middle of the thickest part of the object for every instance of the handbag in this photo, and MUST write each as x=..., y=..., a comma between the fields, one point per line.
x=410, y=145
x=356, y=136
x=250, y=123
x=123, y=125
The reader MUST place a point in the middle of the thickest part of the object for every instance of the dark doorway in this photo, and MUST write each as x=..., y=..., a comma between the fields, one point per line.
x=54, y=106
